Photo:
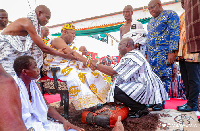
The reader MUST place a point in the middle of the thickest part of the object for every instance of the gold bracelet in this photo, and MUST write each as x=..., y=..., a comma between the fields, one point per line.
x=89, y=63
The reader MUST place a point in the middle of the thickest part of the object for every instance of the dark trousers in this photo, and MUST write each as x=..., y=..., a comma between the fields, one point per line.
x=190, y=73
x=126, y=100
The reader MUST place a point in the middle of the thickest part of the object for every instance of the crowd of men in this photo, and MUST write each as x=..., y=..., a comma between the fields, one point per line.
x=141, y=80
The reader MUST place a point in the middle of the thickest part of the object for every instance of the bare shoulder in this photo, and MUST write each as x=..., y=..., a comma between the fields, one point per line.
x=20, y=22
x=18, y=27
x=56, y=42
x=58, y=39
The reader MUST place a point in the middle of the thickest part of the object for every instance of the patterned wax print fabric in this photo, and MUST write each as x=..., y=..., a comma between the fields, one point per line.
x=87, y=88
x=163, y=36
x=177, y=88
x=13, y=46
x=136, y=78
x=192, y=24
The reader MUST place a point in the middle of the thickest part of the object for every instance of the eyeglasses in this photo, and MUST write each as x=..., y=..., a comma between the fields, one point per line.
x=150, y=8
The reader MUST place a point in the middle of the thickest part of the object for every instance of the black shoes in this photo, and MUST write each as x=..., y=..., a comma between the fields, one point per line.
x=139, y=113
x=158, y=107
x=186, y=108
x=181, y=106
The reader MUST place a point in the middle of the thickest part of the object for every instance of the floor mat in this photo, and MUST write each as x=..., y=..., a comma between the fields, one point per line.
x=173, y=120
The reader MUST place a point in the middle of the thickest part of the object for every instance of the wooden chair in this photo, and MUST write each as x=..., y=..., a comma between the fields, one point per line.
x=54, y=85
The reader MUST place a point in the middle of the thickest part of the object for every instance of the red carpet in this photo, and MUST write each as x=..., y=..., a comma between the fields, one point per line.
x=173, y=103
x=52, y=98
x=169, y=104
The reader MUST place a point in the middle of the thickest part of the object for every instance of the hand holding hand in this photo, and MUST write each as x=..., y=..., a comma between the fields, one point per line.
x=93, y=65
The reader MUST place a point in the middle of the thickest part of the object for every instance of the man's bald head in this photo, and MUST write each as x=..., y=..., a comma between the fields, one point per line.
x=125, y=45
x=127, y=40
x=44, y=31
x=155, y=8
x=43, y=14
x=154, y=2
x=3, y=19
x=128, y=12
x=128, y=7
x=44, y=28
x=83, y=50
x=42, y=8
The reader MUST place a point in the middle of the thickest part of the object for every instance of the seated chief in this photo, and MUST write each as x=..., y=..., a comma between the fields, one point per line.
x=87, y=88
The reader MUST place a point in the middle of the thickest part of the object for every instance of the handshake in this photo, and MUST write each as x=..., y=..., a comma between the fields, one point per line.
x=92, y=64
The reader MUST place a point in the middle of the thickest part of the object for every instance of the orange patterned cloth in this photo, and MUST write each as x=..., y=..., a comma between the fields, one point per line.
x=192, y=24
x=183, y=53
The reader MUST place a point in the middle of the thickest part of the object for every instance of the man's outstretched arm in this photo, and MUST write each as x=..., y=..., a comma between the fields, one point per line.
x=28, y=27
x=10, y=109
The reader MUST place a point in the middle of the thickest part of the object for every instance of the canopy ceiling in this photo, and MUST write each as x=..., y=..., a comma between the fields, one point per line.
x=111, y=22
x=103, y=28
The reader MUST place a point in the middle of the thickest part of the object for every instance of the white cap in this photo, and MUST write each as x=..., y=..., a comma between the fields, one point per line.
x=137, y=33
x=136, y=25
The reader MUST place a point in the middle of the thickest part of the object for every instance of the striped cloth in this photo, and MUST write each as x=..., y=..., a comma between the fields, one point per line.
x=177, y=88
x=136, y=78
x=192, y=22
x=13, y=46
x=182, y=52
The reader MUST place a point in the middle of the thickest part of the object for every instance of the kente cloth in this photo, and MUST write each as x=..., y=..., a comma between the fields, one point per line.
x=13, y=46
x=46, y=40
x=136, y=78
x=177, y=88
x=163, y=36
x=192, y=24
x=107, y=78
x=182, y=48
x=139, y=36
x=87, y=88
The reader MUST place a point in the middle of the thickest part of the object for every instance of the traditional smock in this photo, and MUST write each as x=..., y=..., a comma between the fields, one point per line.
x=87, y=88
x=12, y=47
x=177, y=88
x=136, y=78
